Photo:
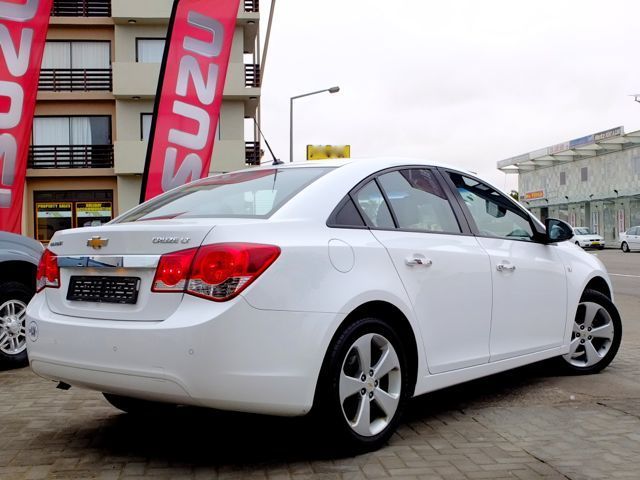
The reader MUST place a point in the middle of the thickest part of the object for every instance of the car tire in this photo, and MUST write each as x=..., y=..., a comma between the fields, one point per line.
x=355, y=383
x=14, y=297
x=137, y=406
x=596, y=335
x=625, y=247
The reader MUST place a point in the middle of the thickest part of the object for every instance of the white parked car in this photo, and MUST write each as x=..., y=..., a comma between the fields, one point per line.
x=341, y=288
x=583, y=237
x=630, y=240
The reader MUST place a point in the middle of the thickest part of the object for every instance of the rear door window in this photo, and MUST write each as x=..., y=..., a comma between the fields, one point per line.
x=418, y=201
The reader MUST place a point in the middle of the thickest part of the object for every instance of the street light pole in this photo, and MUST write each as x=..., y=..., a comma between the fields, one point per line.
x=330, y=90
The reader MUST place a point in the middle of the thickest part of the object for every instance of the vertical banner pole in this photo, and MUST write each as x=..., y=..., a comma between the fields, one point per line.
x=189, y=96
x=23, y=32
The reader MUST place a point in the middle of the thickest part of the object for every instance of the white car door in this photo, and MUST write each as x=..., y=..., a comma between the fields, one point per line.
x=445, y=272
x=529, y=279
x=634, y=238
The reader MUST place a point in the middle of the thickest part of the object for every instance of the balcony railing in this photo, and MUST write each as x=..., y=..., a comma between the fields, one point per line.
x=81, y=8
x=70, y=156
x=252, y=75
x=252, y=6
x=252, y=153
x=75, y=80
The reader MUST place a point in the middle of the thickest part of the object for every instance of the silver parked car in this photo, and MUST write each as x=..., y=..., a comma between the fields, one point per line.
x=630, y=240
x=19, y=257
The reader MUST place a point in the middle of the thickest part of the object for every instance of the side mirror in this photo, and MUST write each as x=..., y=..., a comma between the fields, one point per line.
x=557, y=230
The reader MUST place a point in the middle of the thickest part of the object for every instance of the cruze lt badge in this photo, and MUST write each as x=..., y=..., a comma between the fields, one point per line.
x=182, y=240
x=97, y=242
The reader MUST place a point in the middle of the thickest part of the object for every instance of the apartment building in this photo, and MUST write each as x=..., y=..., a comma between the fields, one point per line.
x=95, y=101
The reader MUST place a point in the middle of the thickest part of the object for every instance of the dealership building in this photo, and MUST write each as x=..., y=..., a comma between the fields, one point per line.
x=591, y=181
x=94, y=106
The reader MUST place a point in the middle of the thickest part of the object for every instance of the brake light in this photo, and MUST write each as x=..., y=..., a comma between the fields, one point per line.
x=48, y=275
x=172, y=273
x=216, y=272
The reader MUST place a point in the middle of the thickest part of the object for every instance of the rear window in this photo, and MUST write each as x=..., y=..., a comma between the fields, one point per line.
x=248, y=194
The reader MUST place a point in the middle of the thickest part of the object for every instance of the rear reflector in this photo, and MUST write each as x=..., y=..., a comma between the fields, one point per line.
x=216, y=272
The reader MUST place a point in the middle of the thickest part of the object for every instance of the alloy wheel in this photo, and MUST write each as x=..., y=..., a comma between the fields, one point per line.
x=592, y=337
x=370, y=384
x=13, y=339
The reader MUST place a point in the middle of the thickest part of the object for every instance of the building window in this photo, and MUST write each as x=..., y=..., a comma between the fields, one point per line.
x=145, y=126
x=95, y=130
x=71, y=142
x=61, y=210
x=149, y=50
x=63, y=55
x=563, y=178
x=584, y=174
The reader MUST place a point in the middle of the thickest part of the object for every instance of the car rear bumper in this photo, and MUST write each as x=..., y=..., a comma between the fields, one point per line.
x=222, y=355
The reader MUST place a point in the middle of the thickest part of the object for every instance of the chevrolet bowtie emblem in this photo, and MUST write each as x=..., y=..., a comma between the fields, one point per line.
x=97, y=242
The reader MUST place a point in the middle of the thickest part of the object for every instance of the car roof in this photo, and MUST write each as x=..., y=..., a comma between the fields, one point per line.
x=376, y=163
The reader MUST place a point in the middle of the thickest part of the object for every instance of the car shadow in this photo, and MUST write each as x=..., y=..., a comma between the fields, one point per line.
x=205, y=437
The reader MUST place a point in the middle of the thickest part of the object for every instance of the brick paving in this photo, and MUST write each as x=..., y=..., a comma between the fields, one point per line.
x=525, y=424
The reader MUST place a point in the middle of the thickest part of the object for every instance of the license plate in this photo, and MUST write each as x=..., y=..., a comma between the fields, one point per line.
x=123, y=290
x=595, y=243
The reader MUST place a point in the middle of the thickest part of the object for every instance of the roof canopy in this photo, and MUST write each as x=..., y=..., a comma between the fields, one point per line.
x=593, y=145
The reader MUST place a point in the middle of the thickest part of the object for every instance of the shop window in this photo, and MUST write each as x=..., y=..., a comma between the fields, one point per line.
x=563, y=178
x=149, y=50
x=56, y=211
x=584, y=174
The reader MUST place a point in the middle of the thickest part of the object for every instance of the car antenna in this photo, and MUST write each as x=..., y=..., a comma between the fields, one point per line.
x=276, y=161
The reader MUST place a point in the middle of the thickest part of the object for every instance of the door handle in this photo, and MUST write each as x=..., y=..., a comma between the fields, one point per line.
x=418, y=261
x=505, y=267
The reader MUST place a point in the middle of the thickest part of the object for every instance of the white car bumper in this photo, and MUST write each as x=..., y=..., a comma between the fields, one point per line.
x=202, y=355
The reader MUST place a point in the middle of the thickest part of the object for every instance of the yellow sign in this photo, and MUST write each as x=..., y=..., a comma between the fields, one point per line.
x=325, y=152
x=537, y=195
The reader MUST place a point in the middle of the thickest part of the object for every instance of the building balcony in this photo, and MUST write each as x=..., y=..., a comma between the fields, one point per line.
x=252, y=75
x=70, y=156
x=159, y=11
x=81, y=8
x=135, y=81
x=252, y=153
x=75, y=80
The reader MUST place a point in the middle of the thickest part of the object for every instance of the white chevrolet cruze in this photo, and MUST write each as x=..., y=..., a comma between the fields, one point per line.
x=337, y=288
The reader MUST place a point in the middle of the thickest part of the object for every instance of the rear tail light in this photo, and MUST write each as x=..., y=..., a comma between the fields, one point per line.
x=172, y=273
x=216, y=272
x=48, y=275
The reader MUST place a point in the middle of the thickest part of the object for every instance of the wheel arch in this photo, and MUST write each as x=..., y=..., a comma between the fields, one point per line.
x=598, y=284
x=396, y=318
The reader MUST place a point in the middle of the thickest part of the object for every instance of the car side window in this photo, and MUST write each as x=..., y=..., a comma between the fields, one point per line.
x=494, y=214
x=373, y=206
x=347, y=215
x=418, y=201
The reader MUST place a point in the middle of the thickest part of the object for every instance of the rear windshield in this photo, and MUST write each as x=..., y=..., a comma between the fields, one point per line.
x=248, y=194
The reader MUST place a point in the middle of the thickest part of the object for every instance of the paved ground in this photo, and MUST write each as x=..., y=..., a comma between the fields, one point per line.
x=525, y=424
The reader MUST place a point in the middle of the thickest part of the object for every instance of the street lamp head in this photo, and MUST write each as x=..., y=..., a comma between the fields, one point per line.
x=334, y=90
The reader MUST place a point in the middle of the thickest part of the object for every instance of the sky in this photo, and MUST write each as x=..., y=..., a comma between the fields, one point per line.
x=464, y=82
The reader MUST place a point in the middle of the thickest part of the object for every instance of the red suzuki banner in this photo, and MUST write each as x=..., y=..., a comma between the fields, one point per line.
x=189, y=94
x=23, y=30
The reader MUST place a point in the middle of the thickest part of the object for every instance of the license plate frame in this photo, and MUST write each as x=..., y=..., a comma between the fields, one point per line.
x=103, y=289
